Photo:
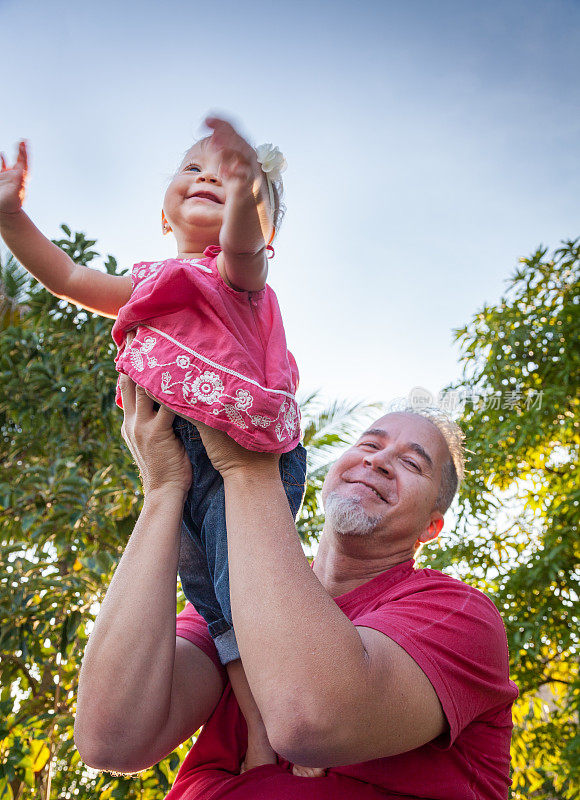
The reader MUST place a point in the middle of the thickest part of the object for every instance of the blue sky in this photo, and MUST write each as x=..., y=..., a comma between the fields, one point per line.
x=429, y=146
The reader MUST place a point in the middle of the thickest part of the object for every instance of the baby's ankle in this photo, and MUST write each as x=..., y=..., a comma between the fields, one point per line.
x=259, y=751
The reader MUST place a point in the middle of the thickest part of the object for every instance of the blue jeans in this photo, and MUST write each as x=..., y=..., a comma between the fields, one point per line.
x=203, y=555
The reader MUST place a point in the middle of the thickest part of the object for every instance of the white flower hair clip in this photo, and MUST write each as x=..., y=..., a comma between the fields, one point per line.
x=271, y=160
x=273, y=165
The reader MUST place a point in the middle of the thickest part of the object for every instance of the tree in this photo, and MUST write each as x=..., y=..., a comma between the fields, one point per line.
x=13, y=291
x=69, y=498
x=517, y=529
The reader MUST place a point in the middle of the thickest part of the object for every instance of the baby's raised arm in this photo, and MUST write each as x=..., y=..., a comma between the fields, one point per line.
x=247, y=224
x=94, y=290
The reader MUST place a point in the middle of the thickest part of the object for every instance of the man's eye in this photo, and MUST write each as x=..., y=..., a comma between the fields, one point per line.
x=374, y=445
x=412, y=464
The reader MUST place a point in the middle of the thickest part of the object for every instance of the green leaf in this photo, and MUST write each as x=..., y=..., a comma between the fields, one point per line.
x=5, y=790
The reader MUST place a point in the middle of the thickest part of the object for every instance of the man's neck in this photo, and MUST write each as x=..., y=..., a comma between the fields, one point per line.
x=345, y=562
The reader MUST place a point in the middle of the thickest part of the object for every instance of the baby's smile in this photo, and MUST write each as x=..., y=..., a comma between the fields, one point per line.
x=203, y=194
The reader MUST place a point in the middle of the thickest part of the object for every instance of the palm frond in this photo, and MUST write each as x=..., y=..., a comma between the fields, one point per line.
x=15, y=286
x=328, y=428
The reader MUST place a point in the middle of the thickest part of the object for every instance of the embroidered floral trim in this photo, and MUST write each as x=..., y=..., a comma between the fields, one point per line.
x=261, y=421
x=165, y=382
x=220, y=367
x=195, y=262
x=144, y=272
x=235, y=416
x=245, y=399
x=141, y=273
x=205, y=386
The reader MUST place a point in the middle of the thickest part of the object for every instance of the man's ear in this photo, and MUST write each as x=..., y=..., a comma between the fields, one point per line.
x=433, y=530
x=165, y=226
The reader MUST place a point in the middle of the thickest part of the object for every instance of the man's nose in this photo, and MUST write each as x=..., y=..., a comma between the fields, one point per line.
x=379, y=460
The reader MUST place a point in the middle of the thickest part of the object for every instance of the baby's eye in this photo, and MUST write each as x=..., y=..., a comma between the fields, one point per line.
x=192, y=168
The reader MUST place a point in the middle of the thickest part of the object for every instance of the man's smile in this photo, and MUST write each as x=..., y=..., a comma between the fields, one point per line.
x=371, y=487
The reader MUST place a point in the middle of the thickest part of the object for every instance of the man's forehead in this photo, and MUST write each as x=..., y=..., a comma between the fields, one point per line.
x=412, y=427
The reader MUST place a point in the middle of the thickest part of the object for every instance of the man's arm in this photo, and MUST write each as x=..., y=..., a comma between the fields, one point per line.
x=329, y=693
x=142, y=691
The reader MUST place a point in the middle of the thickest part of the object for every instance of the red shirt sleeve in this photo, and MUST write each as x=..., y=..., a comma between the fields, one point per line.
x=457, y=637
x=191, y=626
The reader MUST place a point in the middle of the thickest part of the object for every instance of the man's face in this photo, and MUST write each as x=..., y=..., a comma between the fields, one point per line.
x=388, y=482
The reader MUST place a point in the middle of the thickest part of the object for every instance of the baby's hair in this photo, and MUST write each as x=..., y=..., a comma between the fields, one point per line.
x=279, y=209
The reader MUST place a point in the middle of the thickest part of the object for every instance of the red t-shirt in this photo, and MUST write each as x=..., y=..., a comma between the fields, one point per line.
x=455, y=634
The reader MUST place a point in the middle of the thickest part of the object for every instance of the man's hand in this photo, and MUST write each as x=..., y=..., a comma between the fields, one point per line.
x=13, y=181
x=228, y=457
x=162, y=460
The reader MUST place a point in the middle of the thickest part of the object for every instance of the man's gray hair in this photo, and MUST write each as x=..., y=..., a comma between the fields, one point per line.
x=453, y=469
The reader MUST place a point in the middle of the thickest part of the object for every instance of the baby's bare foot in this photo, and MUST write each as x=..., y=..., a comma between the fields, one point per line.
x=308, y=772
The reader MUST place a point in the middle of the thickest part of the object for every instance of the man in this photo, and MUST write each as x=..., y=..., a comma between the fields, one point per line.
x=388, y=680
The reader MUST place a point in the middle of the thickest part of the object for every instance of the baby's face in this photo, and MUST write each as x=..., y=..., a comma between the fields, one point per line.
x=195, y=197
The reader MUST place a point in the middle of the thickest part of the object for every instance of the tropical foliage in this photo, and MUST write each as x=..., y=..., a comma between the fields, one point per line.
x=516, y=535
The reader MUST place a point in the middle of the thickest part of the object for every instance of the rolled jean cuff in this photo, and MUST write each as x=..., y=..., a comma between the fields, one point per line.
x=227, y=646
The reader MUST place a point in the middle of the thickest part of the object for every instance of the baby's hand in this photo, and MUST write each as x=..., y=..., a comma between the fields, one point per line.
x=13, y=181
x=239, y=164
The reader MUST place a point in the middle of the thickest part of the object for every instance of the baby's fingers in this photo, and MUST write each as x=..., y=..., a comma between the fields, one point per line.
x=22, y=157
x=226, y=136
x=221, y=126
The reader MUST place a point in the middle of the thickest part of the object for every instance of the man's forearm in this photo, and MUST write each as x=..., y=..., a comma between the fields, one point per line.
x=291, y=634
x=131, y=650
